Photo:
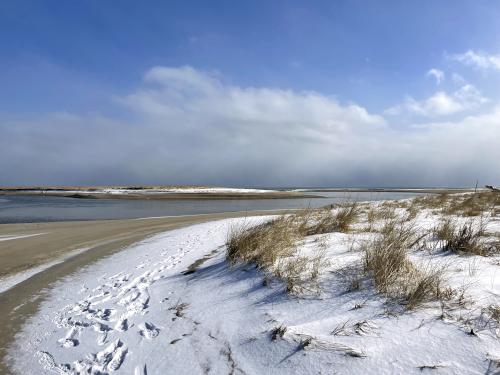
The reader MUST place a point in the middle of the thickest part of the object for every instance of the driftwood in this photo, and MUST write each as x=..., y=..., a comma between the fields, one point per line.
x=492, y=188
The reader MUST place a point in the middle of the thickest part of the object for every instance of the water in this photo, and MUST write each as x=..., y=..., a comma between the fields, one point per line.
x=25, y=209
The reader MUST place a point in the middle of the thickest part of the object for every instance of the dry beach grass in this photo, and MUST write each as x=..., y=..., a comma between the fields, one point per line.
x=275, y=246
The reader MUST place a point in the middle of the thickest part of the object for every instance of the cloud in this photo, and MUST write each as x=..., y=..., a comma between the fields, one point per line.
x=441, y=103
x=458, y=79
x=478, y=60
x=437, y=74
x=186, y=126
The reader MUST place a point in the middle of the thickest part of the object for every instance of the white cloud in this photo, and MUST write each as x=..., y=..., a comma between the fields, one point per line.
x=441, y=103
x=187, y=126
x=478, y=60
x=437, y=74
x=181, y=95
x=458, y=79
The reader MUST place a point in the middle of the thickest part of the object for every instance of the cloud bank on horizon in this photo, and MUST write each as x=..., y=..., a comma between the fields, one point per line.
x=188, y=126
x=185, y=123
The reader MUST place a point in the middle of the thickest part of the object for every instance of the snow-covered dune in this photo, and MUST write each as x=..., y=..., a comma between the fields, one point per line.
x=172, y=305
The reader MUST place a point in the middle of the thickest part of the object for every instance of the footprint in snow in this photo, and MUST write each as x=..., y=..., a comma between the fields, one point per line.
x=122, y=325
x=102, y=338
x=112, y=356
x=69, y=341
x=118, y=358
x=148, y=330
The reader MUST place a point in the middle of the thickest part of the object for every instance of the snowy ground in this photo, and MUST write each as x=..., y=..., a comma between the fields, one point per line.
x=140, y=312
x=9, y=237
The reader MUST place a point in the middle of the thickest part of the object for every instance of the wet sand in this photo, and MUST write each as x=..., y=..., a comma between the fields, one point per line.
x=103, y=238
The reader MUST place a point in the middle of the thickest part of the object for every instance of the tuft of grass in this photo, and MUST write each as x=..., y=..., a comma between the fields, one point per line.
x=494, y=312
x=278, y=332
x=424, y=285
x=371, y=216
x=180, y=309
x=465, y=238
x=386, y=261
x=444, y=231
x=326, y=221
x=264, y=244
x=291, y=271
x=273, y=247
x=385, y=257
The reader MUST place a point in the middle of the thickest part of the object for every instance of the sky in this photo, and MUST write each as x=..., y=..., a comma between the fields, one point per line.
x=259, y=93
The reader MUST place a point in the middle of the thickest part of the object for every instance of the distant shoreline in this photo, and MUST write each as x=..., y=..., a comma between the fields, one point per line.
x=203, y=193
x=153, y=192
x=390, y=190
x=165, y=196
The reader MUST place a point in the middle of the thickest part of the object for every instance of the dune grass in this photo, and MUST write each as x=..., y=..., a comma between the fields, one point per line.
x=465, y=238
x=394, y=274
x=273, y=246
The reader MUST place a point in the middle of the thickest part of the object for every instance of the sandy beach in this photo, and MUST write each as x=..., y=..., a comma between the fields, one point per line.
x=24, y=246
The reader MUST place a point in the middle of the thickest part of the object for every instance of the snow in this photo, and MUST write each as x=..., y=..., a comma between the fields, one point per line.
x=8, y=282
x=8, y=237
x=140, y=312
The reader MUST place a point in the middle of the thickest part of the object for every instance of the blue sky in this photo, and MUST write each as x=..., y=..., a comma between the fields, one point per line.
x=68, y=68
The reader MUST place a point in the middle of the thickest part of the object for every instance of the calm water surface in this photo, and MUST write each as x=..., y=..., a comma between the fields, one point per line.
x=19, y=209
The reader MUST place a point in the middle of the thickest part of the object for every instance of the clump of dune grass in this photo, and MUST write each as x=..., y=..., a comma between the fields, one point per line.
x=385, y=257
x=326, y=221
x=386, y=212
x=273, y=247
x=494, y=312
x=465, y=238
x=278, y=332
x=386, y=261
x=371, y=216
x=423, y=285
x=264, y=244
x=445, y=231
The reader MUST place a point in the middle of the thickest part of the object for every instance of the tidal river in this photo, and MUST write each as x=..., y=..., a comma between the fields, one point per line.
x=26, y=209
